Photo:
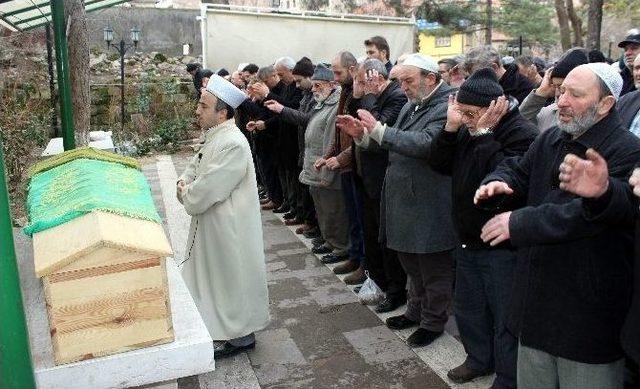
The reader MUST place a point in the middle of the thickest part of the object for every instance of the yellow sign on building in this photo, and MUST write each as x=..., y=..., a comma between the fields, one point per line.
x=440, y=47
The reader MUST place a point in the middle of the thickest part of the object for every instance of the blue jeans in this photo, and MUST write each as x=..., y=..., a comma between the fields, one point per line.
x=353, y=205
x=482, y=297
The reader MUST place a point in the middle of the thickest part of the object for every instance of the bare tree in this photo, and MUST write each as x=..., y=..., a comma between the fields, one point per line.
x=78, y=43
x=594, y=24
x=563, y=23
x=576, y=24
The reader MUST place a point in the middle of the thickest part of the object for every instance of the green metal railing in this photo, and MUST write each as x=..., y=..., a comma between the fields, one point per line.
x=62, y=65
x=16, y=371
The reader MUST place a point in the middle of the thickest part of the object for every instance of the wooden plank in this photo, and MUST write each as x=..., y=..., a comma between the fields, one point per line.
x=103, y=270
x=98, y=342
x=108, y=312
x=104, y=256
x=116, y=311
x=95, y=288
x=60, y=246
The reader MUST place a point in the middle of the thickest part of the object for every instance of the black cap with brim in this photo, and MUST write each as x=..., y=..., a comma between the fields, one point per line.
x=633, y=38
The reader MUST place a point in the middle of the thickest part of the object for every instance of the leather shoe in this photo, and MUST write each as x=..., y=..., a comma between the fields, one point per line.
x=464, y=373
x=422, y=337
x=389, y=304
x=347, y=267
x=356, y=278
x=289, y=215
x=269, y=206
x=281, y=209
x=312, y=233
x=318, y=241
x=333, y=258
x=264, y=201
x=321, y=249
x=227, y=350
x=293, y=222
x=302, y=229
x=400, y=322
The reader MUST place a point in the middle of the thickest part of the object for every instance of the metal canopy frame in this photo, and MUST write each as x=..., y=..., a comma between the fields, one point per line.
x=24, y=15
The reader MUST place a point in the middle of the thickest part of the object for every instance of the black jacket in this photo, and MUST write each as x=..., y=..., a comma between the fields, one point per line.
x=372, y=162
x=515, y=84
x=618, y=207
x=266, y=141
x=628, y=107
x=627, y=78
x=300, y=118
x=572, y=281
x=287, y=141
x=468, y=159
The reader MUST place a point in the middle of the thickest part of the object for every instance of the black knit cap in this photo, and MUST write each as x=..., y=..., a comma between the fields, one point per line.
x=303, y=68
x=568, y=62
x=480, y=89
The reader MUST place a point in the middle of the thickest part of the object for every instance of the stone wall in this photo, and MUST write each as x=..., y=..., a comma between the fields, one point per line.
x=162, y=30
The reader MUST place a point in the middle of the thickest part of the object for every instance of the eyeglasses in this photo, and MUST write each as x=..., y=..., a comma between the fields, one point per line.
x=468, y=114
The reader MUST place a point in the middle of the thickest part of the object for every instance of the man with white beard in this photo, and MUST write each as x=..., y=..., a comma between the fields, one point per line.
x=572, y=281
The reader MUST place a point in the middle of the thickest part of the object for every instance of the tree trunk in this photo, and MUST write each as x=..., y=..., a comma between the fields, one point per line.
x=78, y=43
x=563, y=22
x=594, y=24
x=488, y=32
x=576, y=24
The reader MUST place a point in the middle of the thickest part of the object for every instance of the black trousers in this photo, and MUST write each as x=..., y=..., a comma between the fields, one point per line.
x=269, y=172
x=382, y=263
x=308, y=208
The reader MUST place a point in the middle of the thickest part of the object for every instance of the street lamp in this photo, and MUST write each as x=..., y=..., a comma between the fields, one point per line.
x=121, y=49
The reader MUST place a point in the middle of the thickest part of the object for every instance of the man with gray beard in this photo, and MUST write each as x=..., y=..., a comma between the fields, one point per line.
x=415, y=208
x=572, y=281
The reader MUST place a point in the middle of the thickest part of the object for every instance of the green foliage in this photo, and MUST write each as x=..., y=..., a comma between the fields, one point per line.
x=531, y=19
x=24, y=123
x=621, y=7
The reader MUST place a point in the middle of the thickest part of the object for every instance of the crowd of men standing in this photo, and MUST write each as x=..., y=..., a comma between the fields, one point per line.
x=496, y=186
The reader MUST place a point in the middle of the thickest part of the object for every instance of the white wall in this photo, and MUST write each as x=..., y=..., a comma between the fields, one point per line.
x=234, y=37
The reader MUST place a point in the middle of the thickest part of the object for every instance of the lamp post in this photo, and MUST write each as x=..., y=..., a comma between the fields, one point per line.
x=612, y=39
x=121, y=49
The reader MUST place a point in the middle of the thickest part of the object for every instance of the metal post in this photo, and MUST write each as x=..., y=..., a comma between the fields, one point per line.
x=122, y=51
x=16, y=370
x=62, y=65
x=52, y=82
x=520, y=45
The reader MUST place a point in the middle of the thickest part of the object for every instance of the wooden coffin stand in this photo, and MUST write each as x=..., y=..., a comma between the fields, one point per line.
x=105, y=285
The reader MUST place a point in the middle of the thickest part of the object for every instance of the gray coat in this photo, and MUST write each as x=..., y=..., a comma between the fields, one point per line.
x=535, y=109
x=416, y=201
x=320, y=131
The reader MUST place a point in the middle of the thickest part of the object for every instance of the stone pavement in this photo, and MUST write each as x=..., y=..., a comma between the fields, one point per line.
x=320, y=336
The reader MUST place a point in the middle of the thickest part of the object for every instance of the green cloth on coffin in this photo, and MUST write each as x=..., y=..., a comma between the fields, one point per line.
x=80, y=186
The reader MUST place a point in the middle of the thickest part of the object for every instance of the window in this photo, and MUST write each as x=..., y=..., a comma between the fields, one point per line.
x=443, y=41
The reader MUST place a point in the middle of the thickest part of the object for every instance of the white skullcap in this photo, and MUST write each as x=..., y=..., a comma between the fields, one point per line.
x=225, y=91
x=422, y=62
x=608, y=75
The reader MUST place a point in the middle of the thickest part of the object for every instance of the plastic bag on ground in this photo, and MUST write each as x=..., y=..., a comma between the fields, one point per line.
x=370, y=293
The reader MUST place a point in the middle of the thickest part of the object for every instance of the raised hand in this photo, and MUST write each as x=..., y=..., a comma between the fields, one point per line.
x=546, y=88
x=494, y=113
x=454, y=117
x=584, y=177
x=367, y=119
x=350, y=125
x=320, y=162
x=251, y=126
x=634, y=181
x=332, y=163
x=496, y=230
x=273, y=106
x=491, y=189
